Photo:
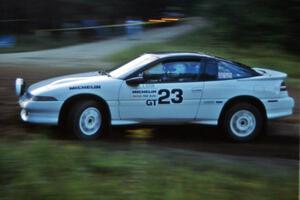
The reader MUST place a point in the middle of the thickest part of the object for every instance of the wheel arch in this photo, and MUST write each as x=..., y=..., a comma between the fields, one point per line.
x=67, y=105
x=242, y=99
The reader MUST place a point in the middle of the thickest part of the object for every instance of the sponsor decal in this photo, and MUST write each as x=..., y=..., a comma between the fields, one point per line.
x=143, y=93
x=82, y=87
x=162, y=96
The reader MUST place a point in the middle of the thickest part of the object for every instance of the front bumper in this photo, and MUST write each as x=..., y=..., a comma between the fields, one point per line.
x=279, y=108
x=40, y=112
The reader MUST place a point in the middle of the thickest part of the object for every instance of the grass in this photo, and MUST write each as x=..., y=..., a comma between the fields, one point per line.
x=44, y=169
x=207, y=41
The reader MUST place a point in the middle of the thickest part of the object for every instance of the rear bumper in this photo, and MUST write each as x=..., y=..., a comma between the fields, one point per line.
x=277, y=108
x=40, y=112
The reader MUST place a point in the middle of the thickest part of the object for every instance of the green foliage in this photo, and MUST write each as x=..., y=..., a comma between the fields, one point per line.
x=255, y=21
x=43, y=169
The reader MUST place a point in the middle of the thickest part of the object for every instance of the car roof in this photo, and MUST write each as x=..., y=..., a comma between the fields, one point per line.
x=178, y=53
x=162, y=55
x=197, y=54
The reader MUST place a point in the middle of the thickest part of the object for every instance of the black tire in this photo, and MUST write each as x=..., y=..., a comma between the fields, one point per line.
x=235, y=122
x=75, y=114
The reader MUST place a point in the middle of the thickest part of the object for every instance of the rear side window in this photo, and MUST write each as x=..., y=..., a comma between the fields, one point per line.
x=223, y=70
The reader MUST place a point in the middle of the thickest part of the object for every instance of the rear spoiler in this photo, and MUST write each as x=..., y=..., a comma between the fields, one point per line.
x=270, y=74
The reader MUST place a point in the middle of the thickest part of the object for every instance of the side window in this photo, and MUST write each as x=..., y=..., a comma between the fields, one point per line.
x=178, y=71
x=156, y=70
x=225, y=71
x=222, y=70
x=228, y=70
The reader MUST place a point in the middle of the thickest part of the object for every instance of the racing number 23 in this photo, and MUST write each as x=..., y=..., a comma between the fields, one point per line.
x=164, y=95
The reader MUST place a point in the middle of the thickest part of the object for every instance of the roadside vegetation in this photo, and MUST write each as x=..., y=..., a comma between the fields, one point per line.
x=45, y=169
x=208, y=40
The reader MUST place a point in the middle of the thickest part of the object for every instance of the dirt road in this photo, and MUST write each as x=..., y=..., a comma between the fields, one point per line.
x=91, y=54
x=280, y=141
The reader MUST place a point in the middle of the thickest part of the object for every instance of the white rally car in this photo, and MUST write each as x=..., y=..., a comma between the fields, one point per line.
x=161, y=88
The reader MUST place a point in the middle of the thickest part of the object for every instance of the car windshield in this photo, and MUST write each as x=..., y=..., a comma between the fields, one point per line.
x=132, y=66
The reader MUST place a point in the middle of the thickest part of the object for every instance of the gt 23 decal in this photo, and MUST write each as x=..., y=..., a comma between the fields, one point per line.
x=164, y=97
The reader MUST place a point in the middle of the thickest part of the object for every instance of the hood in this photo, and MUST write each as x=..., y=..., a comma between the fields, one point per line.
x=68, y=80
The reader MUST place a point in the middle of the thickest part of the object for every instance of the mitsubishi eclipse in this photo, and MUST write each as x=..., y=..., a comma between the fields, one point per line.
x=160, y=88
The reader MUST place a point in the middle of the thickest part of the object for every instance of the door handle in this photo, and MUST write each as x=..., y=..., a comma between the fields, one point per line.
x=196, y=89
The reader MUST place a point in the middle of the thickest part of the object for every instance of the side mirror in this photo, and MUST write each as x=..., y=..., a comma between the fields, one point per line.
x=135, y=81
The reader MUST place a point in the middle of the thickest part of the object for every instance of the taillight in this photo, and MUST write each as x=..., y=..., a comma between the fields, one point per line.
x=283, y=86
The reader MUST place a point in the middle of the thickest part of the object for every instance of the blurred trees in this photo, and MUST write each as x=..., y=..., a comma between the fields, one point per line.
x=243, y=22
x=254, y=21
x=51, y=13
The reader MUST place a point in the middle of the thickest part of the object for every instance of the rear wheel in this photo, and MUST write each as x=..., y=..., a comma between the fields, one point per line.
x=243, y=122
x=87, y=120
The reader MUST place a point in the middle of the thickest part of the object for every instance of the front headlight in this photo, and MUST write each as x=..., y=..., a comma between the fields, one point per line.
x=30, y=97
x=43, y=98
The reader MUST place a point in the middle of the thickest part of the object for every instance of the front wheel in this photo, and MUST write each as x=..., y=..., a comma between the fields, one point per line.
x=243, y=122
x=87, y=120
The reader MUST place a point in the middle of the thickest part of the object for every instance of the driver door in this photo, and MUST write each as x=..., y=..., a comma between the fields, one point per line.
x=171, y=90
